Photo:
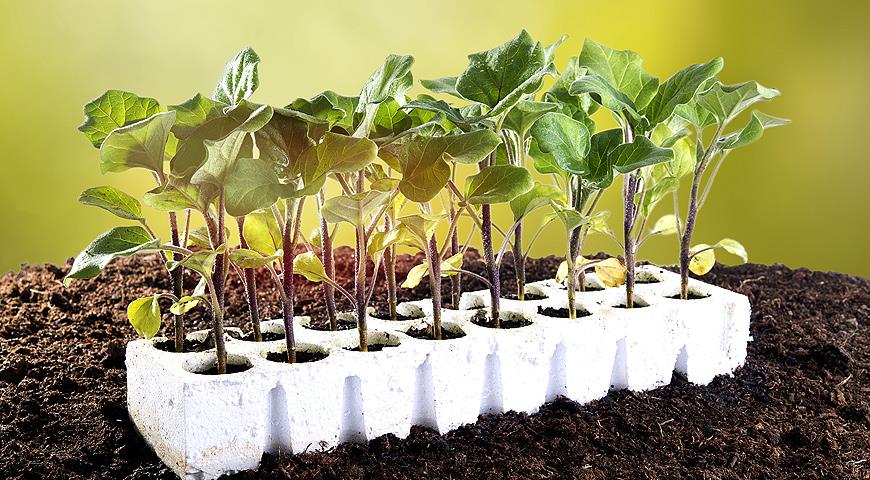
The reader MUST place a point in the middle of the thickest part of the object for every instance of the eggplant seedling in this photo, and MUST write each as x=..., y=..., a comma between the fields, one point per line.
x=616, y=80
x=714, y=107
x=495, y=81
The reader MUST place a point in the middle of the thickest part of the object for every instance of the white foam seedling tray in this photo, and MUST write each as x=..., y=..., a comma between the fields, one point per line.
x=203, y=426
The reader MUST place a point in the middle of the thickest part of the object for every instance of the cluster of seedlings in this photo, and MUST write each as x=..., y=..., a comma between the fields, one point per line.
x=395, y=158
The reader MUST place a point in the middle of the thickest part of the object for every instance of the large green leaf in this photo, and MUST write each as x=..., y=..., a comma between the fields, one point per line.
x=192, y=153
x=114, y=201
x=115, y=109
x=262, y=232
x=344, y=154
x=501, y=76
x=176, y=195
x=565, y=138
x=354, y=209
x=391, y=80
x=250, y=185
x=239, y=79
x=442, y=85
x=390, y=119
x=497, y=184
x=193, y=113
x=524, y=114
x=285, y=139
x=539, y=196
x=600, y=160
x=422, y=226
x=640, y=153
x=604, y=93
x=560, y=91
x=452, y=114
x=680, y=89
x=724, y=102
x=752, y=132
x=621, y=69
x=144, y=315
x=117, y=242
x=222, y=155
x=425, y=160
x=327, y=106
x=544, y=162
x=141, y=144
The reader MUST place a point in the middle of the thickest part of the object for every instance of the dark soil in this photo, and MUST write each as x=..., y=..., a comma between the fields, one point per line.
x=168, y=345
x=528, y=297
x=483, y=319
x=322, y=324
x=231, y=368
x=267, y=336
x=561, y=312
x=691, y=296
x=385, y=315
x=428, y=333
x=301, y=357
x=800, y=408
x=372, y=347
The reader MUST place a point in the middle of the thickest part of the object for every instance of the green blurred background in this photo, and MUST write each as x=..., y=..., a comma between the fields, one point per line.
x=798, y=197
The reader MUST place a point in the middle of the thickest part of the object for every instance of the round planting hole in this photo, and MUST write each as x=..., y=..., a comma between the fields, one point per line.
x=449, y=331
x=644, y=277
x=377, y=342
x=302, y=356
x=168, y=345
x=235, y=364
x=508, y=320
x=322, y=324
x=637, y=304
x=591, y=288
x=267, y=336
x=384, y=314
x=693, y=295
x=528, y=297
x=561, y=312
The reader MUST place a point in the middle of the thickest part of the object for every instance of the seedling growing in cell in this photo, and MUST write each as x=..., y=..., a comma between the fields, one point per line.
x=715, y=107
x=615, y=79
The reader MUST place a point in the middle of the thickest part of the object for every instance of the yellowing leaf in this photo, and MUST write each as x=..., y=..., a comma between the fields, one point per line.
x=562, y=272
x=734, y=248
x=667, y=225
x=415, y=275
x=309, y=266
x=702, y=258
x=611, y=272
x=144, y=315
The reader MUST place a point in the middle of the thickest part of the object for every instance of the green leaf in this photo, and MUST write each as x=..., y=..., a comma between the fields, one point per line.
x=144, y=315
x=429, y=104
x=724, y=102
x=422, y=226
x=192, y=153
x=570, y=218
x=424, y=160
x=173, y=197
x=442, y=85
x=117, y=242
x=199, y=237
x=680, y=89
x=497, y=184
x=560, y=91
x=539, y=196
x=344, y=154
x=621, y=69
x=327, y=106
x=262, y=232
x=115, y=109
x=250, y=185
x=309, y=266
x=544, y=162
x=605, y=94
x=390, y=119
x=246, y=258
x=524, y=114
x=656, y=192
x=565, y=138
x=734, y=248
x=666, y=225
x=141, y=144
x=222, y=157
x=391, y=80
x=600, y=160
x=185, y=304
x=752, y=132
x=598, y=223
x=353, y=209
x=201, y=262
x=701, y=259
x=239, y=79
x=640, y=153
x=286, y=137
x=193, y=113
x=501, y=76
x=113, y=201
